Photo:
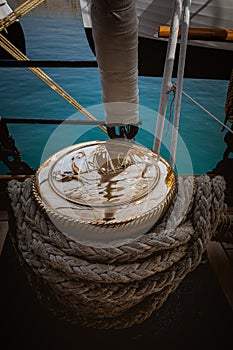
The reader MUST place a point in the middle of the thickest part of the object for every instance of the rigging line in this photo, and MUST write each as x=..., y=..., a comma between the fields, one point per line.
x=184, y=22
x=173, y=89
x=205, y=110
x=167, y=74
x=19, y=12
x=200, y=9
x=15, y=52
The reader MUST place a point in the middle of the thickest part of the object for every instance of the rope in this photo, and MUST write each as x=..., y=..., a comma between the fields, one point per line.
x=20, y=11
x=173, y=89
x=15, y=52
x=116, y=286
x=184, y=23
x=206, y=111
x=167, y=74
x=229, y=100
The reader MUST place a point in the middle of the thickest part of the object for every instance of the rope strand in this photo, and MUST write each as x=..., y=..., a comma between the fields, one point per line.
x=206, y=111
x=20, y=11
x=15, y=52
x=115, y=287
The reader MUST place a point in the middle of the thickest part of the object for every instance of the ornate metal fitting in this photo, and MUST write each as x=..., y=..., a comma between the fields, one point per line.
x=105, y=184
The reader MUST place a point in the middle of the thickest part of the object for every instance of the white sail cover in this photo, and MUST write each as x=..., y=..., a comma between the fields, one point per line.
x=115, y=33
x=204, y=14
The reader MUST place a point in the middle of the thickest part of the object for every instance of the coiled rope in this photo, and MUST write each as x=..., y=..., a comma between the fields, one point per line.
x=116, y=286
x=229, y=100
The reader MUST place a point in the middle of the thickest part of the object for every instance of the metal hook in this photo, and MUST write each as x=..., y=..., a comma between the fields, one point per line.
x=125, y=132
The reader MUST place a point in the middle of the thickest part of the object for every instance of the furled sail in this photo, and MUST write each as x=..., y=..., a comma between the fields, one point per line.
x=206, y=59
x=115, y=33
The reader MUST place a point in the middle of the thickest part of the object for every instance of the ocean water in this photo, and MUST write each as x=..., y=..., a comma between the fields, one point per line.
x=56, y=33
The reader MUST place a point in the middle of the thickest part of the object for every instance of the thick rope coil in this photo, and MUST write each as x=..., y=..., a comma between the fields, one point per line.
x=229, y=100
x=116, y=287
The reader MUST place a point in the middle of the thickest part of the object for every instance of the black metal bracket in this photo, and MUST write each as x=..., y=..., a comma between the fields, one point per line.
x=124, y=132
x=10, y=155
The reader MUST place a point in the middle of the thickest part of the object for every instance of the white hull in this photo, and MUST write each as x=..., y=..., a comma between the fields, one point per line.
x=155, y=13
x=204, y=14
x=205, y=59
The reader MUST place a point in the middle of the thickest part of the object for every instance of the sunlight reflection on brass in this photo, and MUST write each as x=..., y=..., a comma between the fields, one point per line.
x=105, y=183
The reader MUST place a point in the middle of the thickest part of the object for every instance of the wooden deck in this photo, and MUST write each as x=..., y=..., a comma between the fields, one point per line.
x=221, y=259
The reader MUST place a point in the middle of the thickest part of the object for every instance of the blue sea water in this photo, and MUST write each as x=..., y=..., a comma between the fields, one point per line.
x=53, y=35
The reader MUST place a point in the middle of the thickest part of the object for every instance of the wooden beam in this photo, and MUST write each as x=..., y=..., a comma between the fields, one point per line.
x=205, y=34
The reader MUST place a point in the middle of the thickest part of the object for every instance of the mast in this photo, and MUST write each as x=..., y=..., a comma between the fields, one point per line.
x=115, y=33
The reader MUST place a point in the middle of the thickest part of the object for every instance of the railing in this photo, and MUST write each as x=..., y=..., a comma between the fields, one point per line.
x=47, y=64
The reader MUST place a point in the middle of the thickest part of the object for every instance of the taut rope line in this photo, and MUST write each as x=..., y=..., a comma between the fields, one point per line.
x=18, y=12
x=206, y=111
x=15, y=52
